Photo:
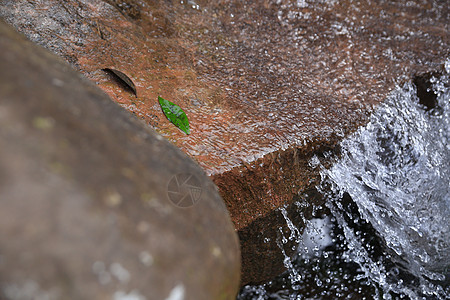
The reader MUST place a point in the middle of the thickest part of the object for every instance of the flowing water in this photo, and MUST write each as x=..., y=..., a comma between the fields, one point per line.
x=384, y=232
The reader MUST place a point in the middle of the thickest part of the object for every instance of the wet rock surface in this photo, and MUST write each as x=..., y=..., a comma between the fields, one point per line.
x=265, y=84
x=85, y=212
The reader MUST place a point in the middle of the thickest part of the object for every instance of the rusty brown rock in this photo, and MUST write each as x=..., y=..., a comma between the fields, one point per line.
x=84, y=206
x=265, y=83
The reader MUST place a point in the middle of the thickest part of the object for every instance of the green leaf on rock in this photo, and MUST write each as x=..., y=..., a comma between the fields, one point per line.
x=175, y=114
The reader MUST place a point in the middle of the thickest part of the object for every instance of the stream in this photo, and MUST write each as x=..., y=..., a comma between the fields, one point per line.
x=384, y=232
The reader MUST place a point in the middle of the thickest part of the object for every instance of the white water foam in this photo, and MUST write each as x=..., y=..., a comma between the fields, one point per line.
x=388, y=196
x=397, y=171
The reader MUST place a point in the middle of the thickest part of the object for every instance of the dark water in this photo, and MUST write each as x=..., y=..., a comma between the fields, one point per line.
x=384, y=232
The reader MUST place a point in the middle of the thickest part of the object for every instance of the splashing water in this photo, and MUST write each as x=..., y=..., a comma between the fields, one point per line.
x=388, y=210
x=396, y=170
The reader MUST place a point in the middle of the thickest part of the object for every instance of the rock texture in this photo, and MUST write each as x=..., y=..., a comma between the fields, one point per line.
x=265, y=84
x=84, y=205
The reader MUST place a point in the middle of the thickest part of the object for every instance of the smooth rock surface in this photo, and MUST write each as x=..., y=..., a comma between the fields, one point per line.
x=84, y=207
x=265, y=84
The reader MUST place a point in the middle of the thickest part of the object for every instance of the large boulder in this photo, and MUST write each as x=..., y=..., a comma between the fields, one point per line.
x=90, y=205
x=265, y=84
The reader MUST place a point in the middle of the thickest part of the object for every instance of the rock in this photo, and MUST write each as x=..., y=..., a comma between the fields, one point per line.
x=89, y=208
x=265, y=84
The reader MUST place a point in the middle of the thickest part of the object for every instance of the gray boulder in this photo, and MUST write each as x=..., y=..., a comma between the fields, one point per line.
x=95, y=205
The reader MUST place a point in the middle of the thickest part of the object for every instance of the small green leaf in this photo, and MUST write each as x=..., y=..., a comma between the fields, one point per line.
x=175, y=114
